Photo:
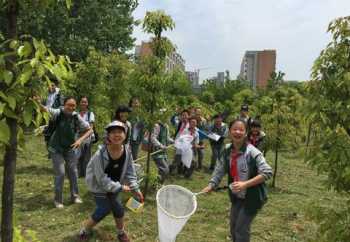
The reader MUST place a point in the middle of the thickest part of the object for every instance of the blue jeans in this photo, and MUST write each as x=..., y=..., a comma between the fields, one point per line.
x=216, y=152
x=61, y=163
x=134, y=149
x=240, y=222
x=105, y=203
x=84, y=158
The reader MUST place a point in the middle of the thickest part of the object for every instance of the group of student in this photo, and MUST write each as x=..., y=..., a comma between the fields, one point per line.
x=111, y=169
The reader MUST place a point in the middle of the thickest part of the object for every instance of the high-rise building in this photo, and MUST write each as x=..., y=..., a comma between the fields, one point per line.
x=221, y=78
x=193, y=77
x=257, y=67
x=173, y=60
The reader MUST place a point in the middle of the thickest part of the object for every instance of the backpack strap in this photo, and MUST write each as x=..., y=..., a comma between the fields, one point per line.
x=103, y=149
x=88, y=114
x=75, y=122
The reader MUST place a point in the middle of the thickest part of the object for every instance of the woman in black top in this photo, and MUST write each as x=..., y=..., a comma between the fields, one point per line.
x=109, y=172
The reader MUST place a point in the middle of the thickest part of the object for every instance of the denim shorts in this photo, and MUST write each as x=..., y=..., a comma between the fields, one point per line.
x=105, y=203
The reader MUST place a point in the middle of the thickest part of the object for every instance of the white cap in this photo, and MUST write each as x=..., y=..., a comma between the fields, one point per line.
x=116, y=124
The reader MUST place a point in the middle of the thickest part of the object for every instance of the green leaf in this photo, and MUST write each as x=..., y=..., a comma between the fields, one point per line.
x=2, y=106
x=33, y=62
x=46, y=117
x=20, y=136
x=9, y=113
x=2, y=61
x=14, y=44
x=25, y=50
x=40, y=70
x=7, y=76
x=28, y=114
x=12, y=102
x=25, y=76
x=38, y=119
x=69, y=3
x=4, y=132
x=3, y=96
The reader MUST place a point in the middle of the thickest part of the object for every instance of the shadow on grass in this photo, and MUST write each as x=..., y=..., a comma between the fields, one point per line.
x=99, y=234
x=278, y=190
x=39, y=201
x=34, y=170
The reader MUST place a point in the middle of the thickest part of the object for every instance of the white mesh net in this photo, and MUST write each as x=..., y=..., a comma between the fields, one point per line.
x=175, y=205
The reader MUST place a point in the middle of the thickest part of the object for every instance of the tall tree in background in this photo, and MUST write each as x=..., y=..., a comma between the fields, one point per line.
x=105, y=25
x=277, y=118
x=152, y=76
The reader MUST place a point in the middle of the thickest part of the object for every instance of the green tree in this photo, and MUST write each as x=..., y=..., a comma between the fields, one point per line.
x=177, y=84
x=107, y=26
x=101, y=77
x=329, y=91
x=151, y=74
x=277, y=118
x=25, y=64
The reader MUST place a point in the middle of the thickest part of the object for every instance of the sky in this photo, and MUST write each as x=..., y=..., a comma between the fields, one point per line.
x=214, y=34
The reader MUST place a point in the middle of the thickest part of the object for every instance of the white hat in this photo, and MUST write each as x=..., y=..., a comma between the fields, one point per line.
x=116, y=124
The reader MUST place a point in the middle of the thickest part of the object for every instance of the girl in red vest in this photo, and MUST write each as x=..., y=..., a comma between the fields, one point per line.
x=247, y=171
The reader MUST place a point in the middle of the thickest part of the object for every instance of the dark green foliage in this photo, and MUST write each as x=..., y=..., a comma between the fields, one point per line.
x=106, y=25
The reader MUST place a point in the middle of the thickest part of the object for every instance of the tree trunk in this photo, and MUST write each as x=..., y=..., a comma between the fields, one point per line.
x=10, y=156
x=308, y=135
x=148, y=165
x=8, y=184
x=12, y=12
x=276, y=151
x=276, y=166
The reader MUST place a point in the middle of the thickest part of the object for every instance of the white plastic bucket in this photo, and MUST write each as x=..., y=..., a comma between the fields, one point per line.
x=175, y=205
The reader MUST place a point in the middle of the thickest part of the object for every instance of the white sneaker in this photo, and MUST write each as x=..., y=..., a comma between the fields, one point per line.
x=77, y=200
x=58, y=205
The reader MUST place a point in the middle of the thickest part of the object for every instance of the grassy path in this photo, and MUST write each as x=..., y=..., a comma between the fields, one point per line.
x=283, y=219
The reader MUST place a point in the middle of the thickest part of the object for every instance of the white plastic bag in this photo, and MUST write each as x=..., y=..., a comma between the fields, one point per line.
x=183, y=145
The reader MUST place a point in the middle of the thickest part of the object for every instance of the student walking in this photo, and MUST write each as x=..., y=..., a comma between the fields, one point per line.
x=218, y=128
x=181, y=129
x=122, y=115
x=256, y=136
x=54, y=97
x=69, y=132
x=244, y=115
x=202, y=125
x=85, y=147
x=193, y=131
x=137, y=126
x=247, y=171
x=110, y=172
x=160, y=139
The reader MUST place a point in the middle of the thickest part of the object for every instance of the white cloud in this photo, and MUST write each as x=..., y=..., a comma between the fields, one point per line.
x=217, y=33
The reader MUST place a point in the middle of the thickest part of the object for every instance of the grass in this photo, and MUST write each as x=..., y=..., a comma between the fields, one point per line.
x=284, y=218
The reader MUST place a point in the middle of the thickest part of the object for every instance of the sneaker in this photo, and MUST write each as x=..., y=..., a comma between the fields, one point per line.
x=77, y=200
x=84, y=235
x=123, y=237
x=58, y=205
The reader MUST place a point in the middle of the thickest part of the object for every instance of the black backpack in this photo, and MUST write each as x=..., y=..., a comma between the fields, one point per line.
x=94, y=129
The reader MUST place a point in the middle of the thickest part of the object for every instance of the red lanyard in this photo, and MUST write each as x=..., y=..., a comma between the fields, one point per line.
x=234, y=167
x=253, y=140
x=183, y=126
